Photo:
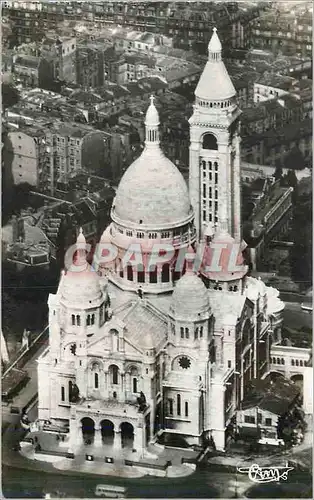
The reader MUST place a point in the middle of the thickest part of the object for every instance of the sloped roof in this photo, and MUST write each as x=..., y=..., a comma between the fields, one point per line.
x=140, y=320
x=275, y=397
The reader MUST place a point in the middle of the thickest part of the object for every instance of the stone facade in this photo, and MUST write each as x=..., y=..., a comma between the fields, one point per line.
x=139, y=349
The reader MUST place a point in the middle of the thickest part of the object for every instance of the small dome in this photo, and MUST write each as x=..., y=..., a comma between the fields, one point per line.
x=190, y=297
x=153, y=192
x=81, y=288
x=231, y=268
x=152, y=117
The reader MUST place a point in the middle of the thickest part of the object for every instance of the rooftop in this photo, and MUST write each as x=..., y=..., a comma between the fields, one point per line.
x=277, y=81
x=275, y=397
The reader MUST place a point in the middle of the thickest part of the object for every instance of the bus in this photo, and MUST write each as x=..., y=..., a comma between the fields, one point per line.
x=110, y=491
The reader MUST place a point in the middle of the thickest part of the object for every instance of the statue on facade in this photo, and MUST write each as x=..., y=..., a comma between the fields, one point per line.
x=141, y=400
x=25, y=339
x=74, y=395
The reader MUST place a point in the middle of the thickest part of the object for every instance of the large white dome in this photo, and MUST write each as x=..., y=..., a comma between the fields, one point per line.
x=152, y=192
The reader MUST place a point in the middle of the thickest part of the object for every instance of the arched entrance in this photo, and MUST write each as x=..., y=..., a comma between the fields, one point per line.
x=107, y=432
x=127, y=435
x=88, y=430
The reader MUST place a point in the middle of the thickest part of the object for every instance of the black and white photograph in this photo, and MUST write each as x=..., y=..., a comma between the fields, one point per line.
x=156, y=294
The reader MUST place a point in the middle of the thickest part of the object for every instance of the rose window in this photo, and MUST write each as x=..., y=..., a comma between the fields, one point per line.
x=184, y=362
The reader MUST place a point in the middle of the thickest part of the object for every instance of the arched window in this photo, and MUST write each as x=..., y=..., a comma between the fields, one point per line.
x=130, y=273
x=140, y=274
x=93, y=319
x=292, y=362
x=278, y=361
x=134, y=384
x=186, y=409
x=196, y=333
x=78, y=320
x=96, y=380
x=88, y=320
x=182, y=332
x=296, y=362
x=165, y=273
x=201, y=332
x=114, y=374
x=187, y=335
x=153, y=274
x=301, y=362
x=73, y=319
x=62, y=393
x=210, y=142
x=178, y=404
x=282, y=361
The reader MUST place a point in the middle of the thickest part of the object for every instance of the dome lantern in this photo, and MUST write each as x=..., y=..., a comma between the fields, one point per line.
x=152, y=125
x=214, y=47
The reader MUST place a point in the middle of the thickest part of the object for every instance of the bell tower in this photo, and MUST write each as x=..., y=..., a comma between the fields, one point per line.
x=214, y=176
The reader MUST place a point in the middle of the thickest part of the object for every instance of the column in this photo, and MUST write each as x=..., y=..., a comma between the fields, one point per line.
x=138, y=440
x=117, y=440
x=98, y=436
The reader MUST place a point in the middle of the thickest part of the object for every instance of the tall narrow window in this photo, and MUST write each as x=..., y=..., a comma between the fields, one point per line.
x=182, y=332
x=73, y=319
x=88, y=320
x=187, y=333
x=134, y=384
x=170, y=406
x=93, y=319
x=130, y=273
x=96, y=380
x=186, y=409
x=62, y=393
x=70, y=390
x=196, y=333
x=115, y=374
x=78, y=320
x=178, y=404
x=201, y=332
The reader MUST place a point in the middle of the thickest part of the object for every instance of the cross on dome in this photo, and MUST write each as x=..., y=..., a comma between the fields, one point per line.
x=151, y=124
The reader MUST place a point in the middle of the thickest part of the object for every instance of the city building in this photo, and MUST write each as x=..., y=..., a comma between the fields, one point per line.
x=61, y=51
x=267, y=403
x=273, y=86
x=140, y=42
x=24, y=155
x=140, y=349
x=284, y=31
